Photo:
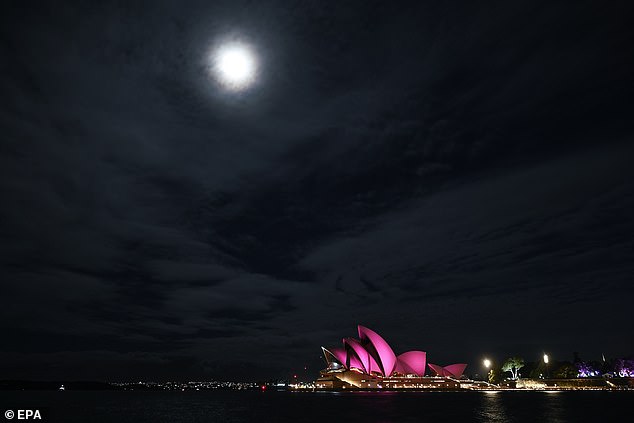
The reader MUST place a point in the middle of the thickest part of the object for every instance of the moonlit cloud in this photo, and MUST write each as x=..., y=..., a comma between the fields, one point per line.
x=158, y=229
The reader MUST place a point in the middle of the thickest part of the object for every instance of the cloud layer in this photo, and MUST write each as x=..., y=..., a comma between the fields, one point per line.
x=424, y=170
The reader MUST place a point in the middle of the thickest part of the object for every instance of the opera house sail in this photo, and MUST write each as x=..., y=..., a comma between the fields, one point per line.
x=368, y=362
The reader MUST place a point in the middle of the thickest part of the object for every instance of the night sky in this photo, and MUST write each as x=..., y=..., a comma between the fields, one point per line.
x=457, y=176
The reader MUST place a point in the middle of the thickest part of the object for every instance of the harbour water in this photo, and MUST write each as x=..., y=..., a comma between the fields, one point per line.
x=254, y=406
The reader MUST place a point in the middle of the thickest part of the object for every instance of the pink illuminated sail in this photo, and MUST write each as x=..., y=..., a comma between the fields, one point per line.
x=340, y=355
x=372, y=354
x=381, y=350
x=412, y=362
x=356, y=363
x=436, y=369
x=355, y=349
x=456, y=370
x=453, y=370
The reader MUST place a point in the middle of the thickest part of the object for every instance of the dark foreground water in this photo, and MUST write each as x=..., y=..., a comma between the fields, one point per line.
x=254, y=406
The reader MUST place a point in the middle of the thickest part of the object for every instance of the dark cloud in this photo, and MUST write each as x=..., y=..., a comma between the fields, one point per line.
x=454, y=175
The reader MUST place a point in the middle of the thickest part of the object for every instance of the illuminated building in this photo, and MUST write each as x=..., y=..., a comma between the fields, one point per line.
x=370, y=363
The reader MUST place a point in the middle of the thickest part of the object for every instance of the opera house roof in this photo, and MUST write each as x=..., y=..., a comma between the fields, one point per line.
x=371, y=354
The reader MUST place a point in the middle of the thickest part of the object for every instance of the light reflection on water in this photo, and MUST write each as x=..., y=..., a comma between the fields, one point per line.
x=369, y=407
x=492, y=409
x=544, y=406
x=553, y=407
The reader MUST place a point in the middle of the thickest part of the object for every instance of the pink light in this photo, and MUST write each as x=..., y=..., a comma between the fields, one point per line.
x=412, y=362
x=456, y=370
x=436, y=368
x=340, y=355
x=453, y=370
x=385, y=357
x=372, y=354
x=356, y=364
x=356, y=350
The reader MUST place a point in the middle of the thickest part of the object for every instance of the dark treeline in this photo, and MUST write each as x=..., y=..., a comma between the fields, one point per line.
x=517, y=367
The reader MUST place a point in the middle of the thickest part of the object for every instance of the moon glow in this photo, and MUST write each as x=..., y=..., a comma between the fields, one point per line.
x=235, y=66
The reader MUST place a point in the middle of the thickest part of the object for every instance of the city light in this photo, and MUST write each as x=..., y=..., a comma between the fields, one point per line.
x=545, y=358
x=487, y=363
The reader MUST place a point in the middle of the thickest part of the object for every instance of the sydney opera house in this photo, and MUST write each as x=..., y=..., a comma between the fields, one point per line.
x=370, y=363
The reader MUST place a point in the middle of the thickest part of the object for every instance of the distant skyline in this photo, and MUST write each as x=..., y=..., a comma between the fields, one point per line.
x=457, y=176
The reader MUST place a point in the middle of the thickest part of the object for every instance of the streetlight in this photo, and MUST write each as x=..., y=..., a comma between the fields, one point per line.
x=546, y=363
x=487, y=364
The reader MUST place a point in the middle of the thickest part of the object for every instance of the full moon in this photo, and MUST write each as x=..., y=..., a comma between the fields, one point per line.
x=235, y=66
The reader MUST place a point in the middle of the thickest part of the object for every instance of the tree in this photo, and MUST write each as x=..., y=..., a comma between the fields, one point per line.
x=624, y=367
x=537, y=370
x=494, y=375
x=587, y=369
x=566, y=371
x=513, y=364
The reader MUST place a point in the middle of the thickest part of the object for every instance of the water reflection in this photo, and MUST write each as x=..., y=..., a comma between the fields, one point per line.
x=319, y=407
x=553, y=407
x=492, y=408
